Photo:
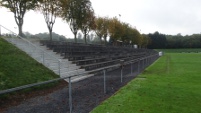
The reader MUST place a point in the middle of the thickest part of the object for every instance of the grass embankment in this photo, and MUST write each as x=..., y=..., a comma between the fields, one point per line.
x=17, y=68
x=171, y=85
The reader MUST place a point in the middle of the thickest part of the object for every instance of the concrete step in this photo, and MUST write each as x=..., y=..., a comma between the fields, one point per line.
x=62, y=63
x=73, y=72
x=36, y=42
x=66, y=70
x=63, y=69
x=32, y=50
x=54, y=64
x=46, y=56
x=50, y=52
x=29, y=49
x=79, y=78
x=13, y=40
x=23, y=47
x=42, y=47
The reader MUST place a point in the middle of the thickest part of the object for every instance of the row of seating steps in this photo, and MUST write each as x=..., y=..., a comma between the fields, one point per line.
x=92, y=57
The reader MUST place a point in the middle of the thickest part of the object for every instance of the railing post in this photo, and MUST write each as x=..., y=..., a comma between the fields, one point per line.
x=122, y=65
x=43, y=57
x=146, y=62
x=59, y=67
x=70, y=95
x=121, y=74
x=29, y=44
x=0, y=30
x=149, y=60
x=14, y=39
x=131, y=69
x=138, y=66
x=104, y=80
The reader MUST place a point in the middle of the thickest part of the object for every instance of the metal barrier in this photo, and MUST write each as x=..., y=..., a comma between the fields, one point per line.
x=0, y=30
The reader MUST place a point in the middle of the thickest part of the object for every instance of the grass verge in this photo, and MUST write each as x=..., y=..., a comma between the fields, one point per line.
x=171, y=85
x=17, y=68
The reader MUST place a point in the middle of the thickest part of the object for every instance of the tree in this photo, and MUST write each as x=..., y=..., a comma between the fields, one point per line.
x=19, y=8
x=99, y=27
x=102, y=27
x=105, y=28
x=146, y=41
x=179, y=41
x=73, y=12
x=69, y=14
x=136, y=37
x=88, y=20
x=158, y=40
x=115, y=29
x=126, y=34
x=123, y=32
x=50, y=10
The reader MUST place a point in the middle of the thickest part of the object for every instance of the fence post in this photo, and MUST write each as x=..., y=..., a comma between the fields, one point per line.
x=0, y=30
x=146, y=62
x=59, y=67
x=122, y=65
x=29, y=44
x=121, y=74
x=70, y=94
x=43, y=57
x=138, y=66
x=104, y=79
x=131, y=69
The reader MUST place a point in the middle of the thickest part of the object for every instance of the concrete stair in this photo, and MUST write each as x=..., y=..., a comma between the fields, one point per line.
x=50, y=59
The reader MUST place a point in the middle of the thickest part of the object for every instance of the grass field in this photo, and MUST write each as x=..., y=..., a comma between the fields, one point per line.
x=171, y=85
x=17, y=68
x=187, y=50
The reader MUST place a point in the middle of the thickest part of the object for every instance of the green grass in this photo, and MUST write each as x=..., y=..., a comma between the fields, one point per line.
x=171, y=85
x=188, y=50
x=17, y=68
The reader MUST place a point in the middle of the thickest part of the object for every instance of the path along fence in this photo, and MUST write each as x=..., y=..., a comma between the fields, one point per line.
x=142, y=63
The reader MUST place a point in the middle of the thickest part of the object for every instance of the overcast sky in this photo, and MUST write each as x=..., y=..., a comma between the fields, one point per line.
x=165, y=16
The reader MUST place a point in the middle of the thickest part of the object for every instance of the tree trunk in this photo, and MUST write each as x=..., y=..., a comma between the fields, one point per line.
x=100, y=39
x=20, y=30
x=50, y=32
x=85, y=38
x=105, y=40
x=75, y=37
